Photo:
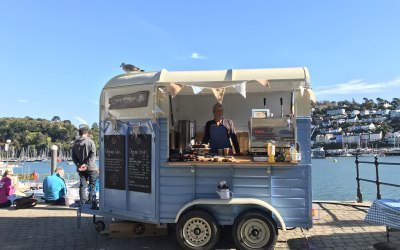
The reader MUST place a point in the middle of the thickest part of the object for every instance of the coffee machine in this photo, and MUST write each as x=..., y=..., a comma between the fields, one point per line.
x=276, y=130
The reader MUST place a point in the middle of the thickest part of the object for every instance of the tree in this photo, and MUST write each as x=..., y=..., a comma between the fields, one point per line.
x=40, y=133
x=395, y=102
x=95, y=125
x=56, y=119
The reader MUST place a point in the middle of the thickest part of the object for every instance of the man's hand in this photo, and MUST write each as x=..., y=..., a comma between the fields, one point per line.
x=82, y=168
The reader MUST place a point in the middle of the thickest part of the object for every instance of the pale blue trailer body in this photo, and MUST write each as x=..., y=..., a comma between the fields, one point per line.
x=281, y=190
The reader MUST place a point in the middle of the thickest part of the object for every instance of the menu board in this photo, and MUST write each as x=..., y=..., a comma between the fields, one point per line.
x=114, y=162
x=139, y=163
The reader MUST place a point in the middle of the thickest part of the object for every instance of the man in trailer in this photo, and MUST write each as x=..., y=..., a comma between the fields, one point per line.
x=219, y=132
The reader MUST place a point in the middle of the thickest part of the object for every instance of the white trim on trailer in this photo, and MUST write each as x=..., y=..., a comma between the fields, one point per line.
x=233, y=201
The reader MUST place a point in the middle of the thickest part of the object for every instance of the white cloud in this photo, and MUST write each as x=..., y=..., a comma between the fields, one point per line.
x=94, y=102
x=394, y=82
x=196, y=55
x=81, y=120
x=22, y=100
x=357, y=87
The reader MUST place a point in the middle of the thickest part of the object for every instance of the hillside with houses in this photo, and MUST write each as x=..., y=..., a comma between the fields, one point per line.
x=348, y=128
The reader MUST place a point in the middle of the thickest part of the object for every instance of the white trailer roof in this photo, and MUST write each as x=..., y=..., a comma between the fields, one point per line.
x=122, y=96
x=279, y=79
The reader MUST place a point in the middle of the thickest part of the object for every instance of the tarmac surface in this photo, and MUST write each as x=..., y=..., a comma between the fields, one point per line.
x=336, y=226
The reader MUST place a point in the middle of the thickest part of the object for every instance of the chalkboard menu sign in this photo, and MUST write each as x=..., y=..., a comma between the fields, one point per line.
x=114, y=162
x=139, y=163
x=133, y=100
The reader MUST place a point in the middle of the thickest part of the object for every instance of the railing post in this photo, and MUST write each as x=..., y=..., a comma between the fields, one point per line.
x=378, y=189
x=359, y=194
x=54, y=149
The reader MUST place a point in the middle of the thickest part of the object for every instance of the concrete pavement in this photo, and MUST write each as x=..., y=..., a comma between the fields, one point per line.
x=55, y=227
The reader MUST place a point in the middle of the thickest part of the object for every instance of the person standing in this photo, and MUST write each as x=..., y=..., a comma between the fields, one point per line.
x=35, y=176
x=54, y=188
x=6, y=189
x=220, y=132
x=84, y=157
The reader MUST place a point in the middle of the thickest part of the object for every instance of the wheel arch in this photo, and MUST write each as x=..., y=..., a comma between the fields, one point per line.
x=260, y=205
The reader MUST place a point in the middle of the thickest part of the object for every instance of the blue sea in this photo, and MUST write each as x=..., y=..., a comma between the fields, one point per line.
x=333, y=179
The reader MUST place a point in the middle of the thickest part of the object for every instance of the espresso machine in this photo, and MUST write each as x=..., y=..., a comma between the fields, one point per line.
x=275, y=130
x=186, y=133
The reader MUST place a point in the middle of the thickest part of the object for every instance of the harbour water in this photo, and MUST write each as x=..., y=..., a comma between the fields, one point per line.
x=332, y=178
x=335, y=178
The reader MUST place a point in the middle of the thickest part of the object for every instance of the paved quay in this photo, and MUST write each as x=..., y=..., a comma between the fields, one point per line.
x=55, y=227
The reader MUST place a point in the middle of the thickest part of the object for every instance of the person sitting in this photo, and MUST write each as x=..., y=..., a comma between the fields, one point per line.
x=219, y=131
x=6, y=189
x=54, y=188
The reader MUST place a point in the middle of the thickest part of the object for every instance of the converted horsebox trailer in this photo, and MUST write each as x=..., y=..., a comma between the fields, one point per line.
x=153, y=170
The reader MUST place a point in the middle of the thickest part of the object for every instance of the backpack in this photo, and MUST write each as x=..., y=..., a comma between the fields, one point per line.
x=25, y=202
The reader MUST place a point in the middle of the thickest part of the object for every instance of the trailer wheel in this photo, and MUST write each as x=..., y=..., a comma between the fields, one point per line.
x=254, y=230
x=99, y=225
x=197, y=229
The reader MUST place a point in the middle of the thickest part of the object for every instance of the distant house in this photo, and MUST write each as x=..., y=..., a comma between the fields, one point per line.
x=336, y=130
x=364, y=112
x=352, y=119
x=362, y=128
x=351, y=139
x=330, y=130
x=387, y=105
x=383, y=112
x=392, y=138
x=376, y=136
x=326, y=123
x=323, y=139
x=317, y=121
x=339, y=138
x=370, y=137
x=373, y=119
x=339, y=111
x=394, y=113
x=354, y=113
x=379, y=119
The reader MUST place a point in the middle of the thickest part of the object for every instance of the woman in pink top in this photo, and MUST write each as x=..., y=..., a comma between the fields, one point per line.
x=6, y=189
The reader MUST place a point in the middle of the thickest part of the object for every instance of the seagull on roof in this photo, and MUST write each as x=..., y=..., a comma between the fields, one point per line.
x=128, y=68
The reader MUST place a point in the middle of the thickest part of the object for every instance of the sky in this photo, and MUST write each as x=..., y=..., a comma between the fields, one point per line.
x=56, y=56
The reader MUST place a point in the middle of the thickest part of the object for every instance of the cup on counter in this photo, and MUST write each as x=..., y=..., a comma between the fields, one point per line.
x=227, y=151
x=220, y=151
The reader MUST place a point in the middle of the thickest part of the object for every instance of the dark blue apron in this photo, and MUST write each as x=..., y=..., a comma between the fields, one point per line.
x=218, y=138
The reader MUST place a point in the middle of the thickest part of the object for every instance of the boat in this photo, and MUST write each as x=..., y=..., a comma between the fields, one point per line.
x=6, y=166
x=318, y=152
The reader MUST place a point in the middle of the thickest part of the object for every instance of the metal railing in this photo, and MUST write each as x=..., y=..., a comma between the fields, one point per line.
x=29, y=176
x=376, y=181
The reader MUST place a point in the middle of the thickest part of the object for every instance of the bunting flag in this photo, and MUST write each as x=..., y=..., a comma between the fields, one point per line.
x=158, y=110
x=301, y=90
x=136, y=130
x=114, y=124
x=175, y=89
x=161, y=93
x=312, y=95
x=264, y=82
x=241, y=88
x=196, y=89
x=219, y=94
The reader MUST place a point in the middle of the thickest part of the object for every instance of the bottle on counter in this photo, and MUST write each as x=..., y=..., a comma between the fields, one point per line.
x=293, y=152
x=287, y=155
x=271, y=152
